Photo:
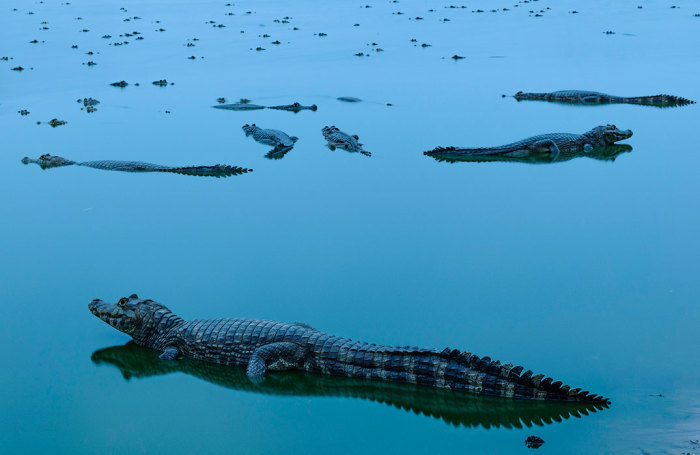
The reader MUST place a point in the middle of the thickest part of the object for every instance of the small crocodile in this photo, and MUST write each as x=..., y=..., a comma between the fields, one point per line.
x=294, y=107
x=281, y=141
x=545, y=144
x=47, y=161
x=605, y=153
x=454, y=408
x=339, y=139
x=262, y=346
x=591, y=98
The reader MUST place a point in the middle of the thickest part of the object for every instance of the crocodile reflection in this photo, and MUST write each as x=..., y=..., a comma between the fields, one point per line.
x=453, y=408
x=607, y=153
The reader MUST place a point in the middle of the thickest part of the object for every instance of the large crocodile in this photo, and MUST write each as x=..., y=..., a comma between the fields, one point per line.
x=605, y=153
x=48, y=161
x=262, y=346
x=345, y=141
x=551, y=145
x=590, y=98
x=454, y=408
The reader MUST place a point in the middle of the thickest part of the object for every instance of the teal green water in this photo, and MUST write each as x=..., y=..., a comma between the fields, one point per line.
x=584, y=270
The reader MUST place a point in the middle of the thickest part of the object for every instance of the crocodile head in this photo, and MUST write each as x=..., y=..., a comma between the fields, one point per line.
x=130, y=315
x=47, y=161
x=249, y=129
x=609, y=134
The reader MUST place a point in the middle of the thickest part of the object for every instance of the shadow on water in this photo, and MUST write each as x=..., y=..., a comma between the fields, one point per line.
x=451, y=407
x=608, y=153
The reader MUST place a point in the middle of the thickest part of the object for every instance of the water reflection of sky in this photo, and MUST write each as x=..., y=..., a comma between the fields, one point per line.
x=585, y=270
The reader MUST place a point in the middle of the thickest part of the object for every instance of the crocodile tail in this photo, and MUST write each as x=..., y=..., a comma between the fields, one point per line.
x=661, y=100
x=525, y=384
x=439, y=150
x=218, y=170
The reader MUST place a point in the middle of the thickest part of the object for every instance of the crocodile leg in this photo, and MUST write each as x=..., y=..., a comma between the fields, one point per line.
x=545, y=146
x=591, y=99
x=275, y=357
x=170, y=353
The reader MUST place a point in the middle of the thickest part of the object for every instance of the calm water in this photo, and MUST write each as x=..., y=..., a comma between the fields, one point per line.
x=585, y=270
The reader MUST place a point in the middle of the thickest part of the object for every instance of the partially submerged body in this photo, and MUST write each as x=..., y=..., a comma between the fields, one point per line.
x=294, y=107
x=591, y=98
x=48, y=161
x=548, y=145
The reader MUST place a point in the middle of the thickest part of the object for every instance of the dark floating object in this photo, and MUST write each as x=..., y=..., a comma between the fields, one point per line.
x=161, y=83
x=457, y=57
x=586, y=97
x=452, y=408
x=121, y=84
x=349, y=99
x=48, y=161
x=534, y=442
x=17, y=68
x=543, y=148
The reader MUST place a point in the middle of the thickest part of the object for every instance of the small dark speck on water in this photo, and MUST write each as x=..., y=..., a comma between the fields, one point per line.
x=534, y=442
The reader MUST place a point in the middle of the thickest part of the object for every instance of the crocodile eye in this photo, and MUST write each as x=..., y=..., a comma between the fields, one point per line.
x=613, y=127
x=122, y=302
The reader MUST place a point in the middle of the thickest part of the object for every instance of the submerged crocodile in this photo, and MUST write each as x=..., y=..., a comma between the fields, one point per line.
x=586, y=97
x=339, y=139
x=262, y=346
x=551, y=145
x=47, y=161
x=457, y=409
x=294, y=107
x=246, y=105
x=242, y=105
x=605, y=153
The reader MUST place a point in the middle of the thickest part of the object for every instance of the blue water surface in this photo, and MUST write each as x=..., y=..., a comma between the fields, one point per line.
x=586, y=270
